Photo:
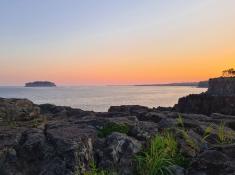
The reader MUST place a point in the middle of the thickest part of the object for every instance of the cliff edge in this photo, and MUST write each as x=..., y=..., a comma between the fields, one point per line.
x=222, y=86
x=220, y=97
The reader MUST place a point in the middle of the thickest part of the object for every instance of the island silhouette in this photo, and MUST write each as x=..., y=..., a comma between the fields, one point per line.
x=40, y=84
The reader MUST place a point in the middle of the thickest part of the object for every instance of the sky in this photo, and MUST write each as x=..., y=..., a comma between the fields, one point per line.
x=100, y=42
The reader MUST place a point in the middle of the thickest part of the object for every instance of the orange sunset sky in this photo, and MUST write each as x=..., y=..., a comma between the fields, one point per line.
x=115, y=42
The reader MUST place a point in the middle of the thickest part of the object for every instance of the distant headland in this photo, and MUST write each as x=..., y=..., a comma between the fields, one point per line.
x=201, y=84
x=227, y=75
x=40, y=84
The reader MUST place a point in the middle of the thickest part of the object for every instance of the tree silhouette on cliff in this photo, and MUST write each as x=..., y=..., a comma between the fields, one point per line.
x=229, y=73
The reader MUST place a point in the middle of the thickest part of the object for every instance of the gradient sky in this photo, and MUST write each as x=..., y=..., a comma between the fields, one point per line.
x=96, y=42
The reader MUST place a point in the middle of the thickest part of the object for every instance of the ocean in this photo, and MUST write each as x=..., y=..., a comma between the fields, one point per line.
x=100, y=98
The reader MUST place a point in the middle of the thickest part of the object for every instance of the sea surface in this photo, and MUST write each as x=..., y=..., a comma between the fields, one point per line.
x=100, y=98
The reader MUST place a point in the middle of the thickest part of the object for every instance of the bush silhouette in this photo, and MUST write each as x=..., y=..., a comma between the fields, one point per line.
x=229, y=73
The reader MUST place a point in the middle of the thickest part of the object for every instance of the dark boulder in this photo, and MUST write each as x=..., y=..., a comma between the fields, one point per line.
x=144, y=131
x=129, y=110
x=18, y=109
x=117, y=152
x=212, y=162
x=62, y=111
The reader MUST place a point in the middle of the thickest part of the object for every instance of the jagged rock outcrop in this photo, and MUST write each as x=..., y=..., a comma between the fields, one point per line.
x=65, y=141
x=212, y=162
x=18, y=109
x=223, y=86
x=220, y=98
x=206, y=104
x=118, y=150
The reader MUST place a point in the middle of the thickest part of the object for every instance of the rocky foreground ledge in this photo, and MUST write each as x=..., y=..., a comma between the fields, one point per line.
x=55, y=140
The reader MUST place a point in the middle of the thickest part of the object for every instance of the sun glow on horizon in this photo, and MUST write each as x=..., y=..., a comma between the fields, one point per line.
x=110, y=42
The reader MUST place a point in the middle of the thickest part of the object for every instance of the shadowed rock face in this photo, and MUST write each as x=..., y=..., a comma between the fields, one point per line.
x=206, y=104
x=219, y=98
x=222, y=86
x=58, y=140
x=18, y=109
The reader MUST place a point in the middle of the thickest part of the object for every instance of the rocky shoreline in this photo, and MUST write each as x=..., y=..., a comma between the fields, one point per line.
x=57, y=140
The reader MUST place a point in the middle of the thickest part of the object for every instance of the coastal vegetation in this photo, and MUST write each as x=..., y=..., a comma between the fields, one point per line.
x=229, y=73
x=161, y=154
x=11, y=123
x=113, y=127
x=185, y=134
x=223, y=135
x=95, y=171
x=207, y=132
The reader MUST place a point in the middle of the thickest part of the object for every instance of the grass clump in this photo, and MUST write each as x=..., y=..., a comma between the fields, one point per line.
x=12, y=123
x=207, y=132
x=41, y=120
x=36, y=122
x=95, y=171
x=180, y=121
x=113, y=127
x=189, y=140
x=185, y=134
x=224, y=136
x=159, y=156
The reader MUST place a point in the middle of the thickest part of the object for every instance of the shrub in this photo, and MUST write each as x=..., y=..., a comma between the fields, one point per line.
x=159, y=156
x=113, y=127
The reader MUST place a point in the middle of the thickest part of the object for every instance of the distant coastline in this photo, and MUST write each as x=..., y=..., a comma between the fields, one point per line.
x=201, y=84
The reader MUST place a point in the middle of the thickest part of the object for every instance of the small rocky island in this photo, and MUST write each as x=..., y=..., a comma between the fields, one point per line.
x=40, y=84
x=195, y=137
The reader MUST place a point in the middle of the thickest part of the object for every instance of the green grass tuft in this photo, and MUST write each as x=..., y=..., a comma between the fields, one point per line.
x=113, y=127
x=224, y=136
x=190, y=141
x=207, y=133
x=180, y=121
x=159, y=156
x=95, y=171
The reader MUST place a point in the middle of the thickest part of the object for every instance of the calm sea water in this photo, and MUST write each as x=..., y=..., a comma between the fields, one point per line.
x=100, y=98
